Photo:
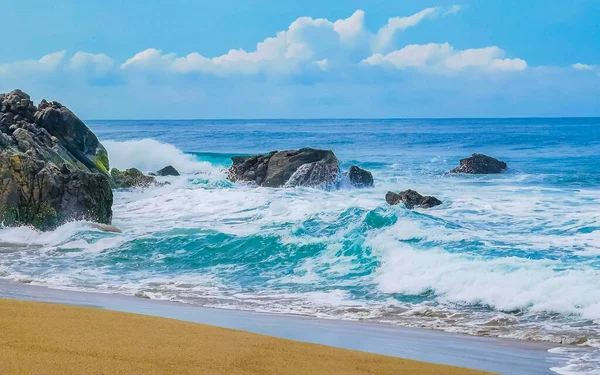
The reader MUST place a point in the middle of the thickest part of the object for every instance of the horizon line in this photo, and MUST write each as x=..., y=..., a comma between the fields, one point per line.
x=344, y=118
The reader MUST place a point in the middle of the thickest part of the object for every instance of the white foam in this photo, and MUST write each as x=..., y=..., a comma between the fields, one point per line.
x=152, y=155
x=504, y=283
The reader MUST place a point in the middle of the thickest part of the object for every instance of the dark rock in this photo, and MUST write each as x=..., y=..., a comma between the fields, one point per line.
x=304, y=167
x=52, y=167
x=130, y=178
x=480, y=164
x=411, y=198
x=359, y=177
x=168, y=171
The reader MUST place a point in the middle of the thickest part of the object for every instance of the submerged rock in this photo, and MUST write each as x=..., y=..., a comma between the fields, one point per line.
x=169, y=170
x=53, y=169
x=130, y=178
x=303, y=167
x=105, y=227
x=480, y=164
x=411, y=198
x=359, y=177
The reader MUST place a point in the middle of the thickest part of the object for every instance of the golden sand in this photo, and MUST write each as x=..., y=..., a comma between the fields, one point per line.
x=42, y=338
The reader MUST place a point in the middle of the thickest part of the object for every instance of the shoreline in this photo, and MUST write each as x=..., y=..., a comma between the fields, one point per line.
x=475, y=352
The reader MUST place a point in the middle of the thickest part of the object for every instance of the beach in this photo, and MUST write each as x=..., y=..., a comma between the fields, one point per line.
x=515, y=357
x=45, y=338
x=339, y=265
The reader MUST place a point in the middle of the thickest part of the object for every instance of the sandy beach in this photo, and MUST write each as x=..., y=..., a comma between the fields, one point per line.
x=43, y=338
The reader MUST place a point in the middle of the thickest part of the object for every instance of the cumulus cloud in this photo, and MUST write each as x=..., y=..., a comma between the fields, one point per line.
x=305, y=42
x=442, y=58
x=46, y=64
x=98, y=63
x=310, y=48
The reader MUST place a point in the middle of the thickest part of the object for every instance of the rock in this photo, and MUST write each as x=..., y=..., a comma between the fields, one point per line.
x=130, y=178
x=52, y=167
x=303, y=167
x=105, y=227
x=168, y=171
x=359, y=177
x=480, y=164
x=411, y=198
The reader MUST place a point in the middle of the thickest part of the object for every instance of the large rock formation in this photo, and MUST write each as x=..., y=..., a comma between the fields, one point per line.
x=480, y=164
x=304, y=167
x=53, y=169
x=411, y=198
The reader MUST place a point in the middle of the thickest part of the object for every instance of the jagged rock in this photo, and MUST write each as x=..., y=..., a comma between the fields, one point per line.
x=130, y=178
x=304, y=167
x=359, y=177
x=480, y=164
x=411, y=198
x=168, y=171
x=52, y=167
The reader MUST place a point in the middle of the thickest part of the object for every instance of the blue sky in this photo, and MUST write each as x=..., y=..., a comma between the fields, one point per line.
x=200, y=59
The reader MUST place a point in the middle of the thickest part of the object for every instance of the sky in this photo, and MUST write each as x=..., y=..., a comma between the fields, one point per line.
x=184, y=59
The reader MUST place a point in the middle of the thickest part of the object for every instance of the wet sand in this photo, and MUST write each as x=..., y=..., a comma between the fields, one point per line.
x=45, y=338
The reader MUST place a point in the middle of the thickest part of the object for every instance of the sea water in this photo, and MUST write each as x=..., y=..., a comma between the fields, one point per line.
x=512, y=255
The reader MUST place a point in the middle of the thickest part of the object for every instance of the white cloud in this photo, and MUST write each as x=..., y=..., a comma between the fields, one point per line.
x=587, y=67
x=452, y=10
x=149, y=58
x=384, y=37
x=98, y=63
x=580, y=66
x=307, y=46
x=351, y=27
x=306, y=40
x=442, y=58
x=386, y=33
x=48, y=63
x=322, y=64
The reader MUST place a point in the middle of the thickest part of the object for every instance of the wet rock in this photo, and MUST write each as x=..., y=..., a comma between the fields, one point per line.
x=167, y=171
x=411, y=199
x=130, y=178
x=303, y=167
x=480, y=164
x=105, y=227
x=53, y=169
x=359, y=177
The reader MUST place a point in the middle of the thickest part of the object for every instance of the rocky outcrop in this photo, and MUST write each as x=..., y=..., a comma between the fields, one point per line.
x=130, y=178
x=303, y=167
x=53, y=169
x=359, y=177
x=169, y=170
x=411, y=199
x=480, y=164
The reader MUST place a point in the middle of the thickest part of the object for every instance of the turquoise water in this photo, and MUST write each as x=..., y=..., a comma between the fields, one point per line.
x=511, y=255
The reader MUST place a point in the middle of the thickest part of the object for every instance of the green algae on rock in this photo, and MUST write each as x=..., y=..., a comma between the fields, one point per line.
x=130, y=178
x=53, y=169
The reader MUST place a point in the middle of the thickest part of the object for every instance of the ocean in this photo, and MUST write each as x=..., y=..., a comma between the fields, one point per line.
x=514, y=255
